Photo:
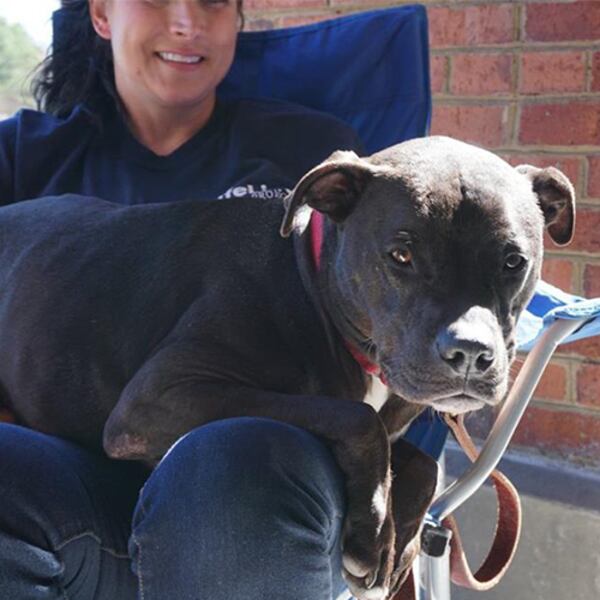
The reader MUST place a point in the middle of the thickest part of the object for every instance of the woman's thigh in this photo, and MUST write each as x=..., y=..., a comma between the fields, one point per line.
x=239, y=508
x=65, y=519
x=242, y=508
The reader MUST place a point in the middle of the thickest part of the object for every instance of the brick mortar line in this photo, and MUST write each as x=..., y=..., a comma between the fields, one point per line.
x=516, y=72
x=513, y=121
x=555, y=406
x=554, y=151
x=569, y=399
x=571, y=384
x=466, y=3
x=591, y=98
x=337, y=10
x=517, y=48
x=518, y=23
x=588, y=73
x=459, y=4
x=341, y=10
x=551, y=153
x=565, y=355
x=558, y=152
x=529, y=2
x=574, y=360
x=579, y=255
x=518, y=114
x=577, y=359
x=578, y=268
x=527, y=45
x=582, y=177
x=585, y=173
x=576, y=259
x=446, y=77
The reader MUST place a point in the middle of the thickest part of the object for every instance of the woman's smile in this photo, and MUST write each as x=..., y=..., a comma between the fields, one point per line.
x=181, y=62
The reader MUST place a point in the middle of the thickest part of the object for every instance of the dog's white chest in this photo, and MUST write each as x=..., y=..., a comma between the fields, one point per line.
x=377, y=393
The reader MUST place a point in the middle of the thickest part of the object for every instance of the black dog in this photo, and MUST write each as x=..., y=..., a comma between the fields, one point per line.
x=126, y=327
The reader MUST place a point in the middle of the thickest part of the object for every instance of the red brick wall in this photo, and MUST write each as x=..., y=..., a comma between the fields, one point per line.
x=521, y=78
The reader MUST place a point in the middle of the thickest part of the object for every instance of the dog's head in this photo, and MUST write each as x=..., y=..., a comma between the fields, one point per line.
x=433, y=249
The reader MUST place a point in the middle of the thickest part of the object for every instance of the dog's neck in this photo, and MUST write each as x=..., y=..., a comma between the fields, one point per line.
x=316, y=233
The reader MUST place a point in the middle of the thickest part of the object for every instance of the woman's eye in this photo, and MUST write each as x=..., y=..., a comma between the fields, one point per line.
x=402, y=255
x=514, y=262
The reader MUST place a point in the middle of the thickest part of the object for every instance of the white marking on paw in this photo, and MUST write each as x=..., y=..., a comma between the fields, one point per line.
x=379, y=506
x=377, y=393
x=354, y=567
x=376, y=593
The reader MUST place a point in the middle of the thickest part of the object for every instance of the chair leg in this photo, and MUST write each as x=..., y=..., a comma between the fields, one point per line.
x=433, y=577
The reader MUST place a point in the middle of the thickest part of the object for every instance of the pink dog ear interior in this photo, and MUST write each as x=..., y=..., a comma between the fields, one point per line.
x=556, y=197
x=332, y=188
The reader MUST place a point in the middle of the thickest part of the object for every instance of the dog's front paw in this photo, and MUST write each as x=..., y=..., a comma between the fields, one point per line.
x=403, y=562
x=368, y=555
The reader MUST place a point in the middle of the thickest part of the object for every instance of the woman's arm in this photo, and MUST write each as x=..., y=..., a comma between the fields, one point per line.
x=8, y=132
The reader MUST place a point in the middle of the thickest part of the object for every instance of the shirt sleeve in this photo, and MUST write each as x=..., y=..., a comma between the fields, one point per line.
x=8, y=134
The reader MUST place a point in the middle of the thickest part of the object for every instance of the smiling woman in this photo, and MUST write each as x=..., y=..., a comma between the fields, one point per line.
x=167, y=55
x=131, y=115
x=150, y=55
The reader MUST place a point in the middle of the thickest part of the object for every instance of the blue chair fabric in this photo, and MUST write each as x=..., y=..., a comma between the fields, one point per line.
x=370, y=70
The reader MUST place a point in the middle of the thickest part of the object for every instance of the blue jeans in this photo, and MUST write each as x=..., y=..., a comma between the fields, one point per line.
x=241, y=509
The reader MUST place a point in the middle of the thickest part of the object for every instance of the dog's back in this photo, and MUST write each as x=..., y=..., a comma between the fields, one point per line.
x=89, y=290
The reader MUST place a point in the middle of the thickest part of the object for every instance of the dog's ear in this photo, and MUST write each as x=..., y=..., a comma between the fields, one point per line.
x=556, y=197
x=332, y=188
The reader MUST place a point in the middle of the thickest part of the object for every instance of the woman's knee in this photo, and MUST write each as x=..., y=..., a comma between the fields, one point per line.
x=64, y=518
x=256, y=463
x=55, y=490
x=37, y=487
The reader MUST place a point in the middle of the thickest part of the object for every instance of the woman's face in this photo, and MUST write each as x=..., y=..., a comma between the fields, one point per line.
x=170, y=53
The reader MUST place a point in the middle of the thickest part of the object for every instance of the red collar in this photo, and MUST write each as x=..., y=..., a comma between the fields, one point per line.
x=316, y=244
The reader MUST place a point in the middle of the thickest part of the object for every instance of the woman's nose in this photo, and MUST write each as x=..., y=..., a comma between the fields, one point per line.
x=186, y=18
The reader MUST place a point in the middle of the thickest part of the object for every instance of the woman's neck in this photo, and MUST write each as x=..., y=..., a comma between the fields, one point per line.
x=165, y=130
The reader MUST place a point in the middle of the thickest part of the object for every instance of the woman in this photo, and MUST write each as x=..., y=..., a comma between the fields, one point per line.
x=243, y=508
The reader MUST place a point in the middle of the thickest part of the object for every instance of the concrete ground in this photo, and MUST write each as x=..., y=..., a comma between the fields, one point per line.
x=559, y=553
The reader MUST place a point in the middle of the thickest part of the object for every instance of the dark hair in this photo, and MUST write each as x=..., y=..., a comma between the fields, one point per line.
x=79, y=67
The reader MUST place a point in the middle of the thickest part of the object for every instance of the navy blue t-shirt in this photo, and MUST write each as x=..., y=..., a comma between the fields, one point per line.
x=256, y=148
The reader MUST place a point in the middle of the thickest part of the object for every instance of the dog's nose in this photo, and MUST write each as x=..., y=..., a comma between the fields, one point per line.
x=465, y=354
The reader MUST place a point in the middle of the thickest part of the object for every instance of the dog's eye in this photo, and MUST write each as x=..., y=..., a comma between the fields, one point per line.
x=402, y=255
x=514, y=262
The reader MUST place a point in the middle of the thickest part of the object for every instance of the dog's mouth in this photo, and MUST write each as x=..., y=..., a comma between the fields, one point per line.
x=458, y=404
x=454, y=396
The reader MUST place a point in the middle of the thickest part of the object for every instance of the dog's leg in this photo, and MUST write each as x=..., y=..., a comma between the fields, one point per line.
x=414, y=478
x=414, y=482
x=167, y=398
x=397, y=414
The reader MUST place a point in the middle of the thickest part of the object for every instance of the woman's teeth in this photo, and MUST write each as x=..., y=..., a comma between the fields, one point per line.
x=180, y=58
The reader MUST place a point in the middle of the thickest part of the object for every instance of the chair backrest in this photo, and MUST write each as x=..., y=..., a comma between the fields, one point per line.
x=369, y=69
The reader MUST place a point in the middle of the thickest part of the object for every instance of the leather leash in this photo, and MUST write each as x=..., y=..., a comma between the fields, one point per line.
x=508, y=525
x=508, y=520
x=506, y=536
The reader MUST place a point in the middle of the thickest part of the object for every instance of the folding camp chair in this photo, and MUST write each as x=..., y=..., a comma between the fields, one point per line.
x=372, y=71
